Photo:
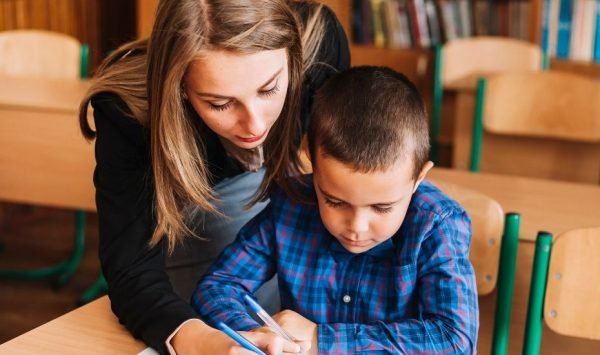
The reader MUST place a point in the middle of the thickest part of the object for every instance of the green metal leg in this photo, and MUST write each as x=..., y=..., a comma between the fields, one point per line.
x=436, y=110
x=537, y=290
x=63, y=271
x=99, y=288
x=476, y=142
x=506, y=283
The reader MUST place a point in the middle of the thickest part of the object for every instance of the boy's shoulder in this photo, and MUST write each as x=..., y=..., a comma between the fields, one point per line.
x=430, y=198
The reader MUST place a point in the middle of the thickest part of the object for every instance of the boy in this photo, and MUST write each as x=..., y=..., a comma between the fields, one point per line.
x=379, y=261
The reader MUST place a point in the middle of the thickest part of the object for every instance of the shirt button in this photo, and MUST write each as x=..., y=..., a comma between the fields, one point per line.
x=346, y=299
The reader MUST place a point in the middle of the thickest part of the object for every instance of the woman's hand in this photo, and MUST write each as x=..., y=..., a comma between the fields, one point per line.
x=197, y=338
x=301, y=329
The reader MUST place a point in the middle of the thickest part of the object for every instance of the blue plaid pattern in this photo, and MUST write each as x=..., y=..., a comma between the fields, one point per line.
x=414, y=293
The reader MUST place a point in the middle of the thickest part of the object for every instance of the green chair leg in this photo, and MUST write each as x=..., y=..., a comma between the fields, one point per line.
x=506, y=283
x=436, y=110
x=100, y=287
x=478, y=127
x=63, y=271
x=537, y=290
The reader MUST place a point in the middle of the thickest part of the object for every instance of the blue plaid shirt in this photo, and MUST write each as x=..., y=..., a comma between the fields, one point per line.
x=414, y=293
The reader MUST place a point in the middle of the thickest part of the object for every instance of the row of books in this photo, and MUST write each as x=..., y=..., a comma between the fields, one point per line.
x=571, y=29
x=426, y=23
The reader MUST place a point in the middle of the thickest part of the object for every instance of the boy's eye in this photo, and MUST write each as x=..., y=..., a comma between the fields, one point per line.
x=379, y=209
x=334, y=204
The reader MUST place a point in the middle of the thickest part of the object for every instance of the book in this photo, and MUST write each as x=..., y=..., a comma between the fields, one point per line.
x=563, y=34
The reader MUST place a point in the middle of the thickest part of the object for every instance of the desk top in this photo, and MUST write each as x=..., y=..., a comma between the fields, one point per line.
x=547, y=205
x=44, y=158
x=60, y=95
x=91, y=329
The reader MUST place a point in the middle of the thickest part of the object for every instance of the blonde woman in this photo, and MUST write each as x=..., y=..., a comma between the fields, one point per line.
x=190, y=126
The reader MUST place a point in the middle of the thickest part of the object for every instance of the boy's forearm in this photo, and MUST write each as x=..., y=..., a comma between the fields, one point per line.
x=432, y=336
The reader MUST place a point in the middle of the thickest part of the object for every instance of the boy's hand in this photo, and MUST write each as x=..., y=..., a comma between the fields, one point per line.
x=273, y=344
x=300, y=328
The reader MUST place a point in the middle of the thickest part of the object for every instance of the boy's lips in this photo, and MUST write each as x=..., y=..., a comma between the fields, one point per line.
x=356, y=243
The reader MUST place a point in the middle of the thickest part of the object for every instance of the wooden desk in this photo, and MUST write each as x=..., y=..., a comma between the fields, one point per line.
x=91, y=329
x=44, y=159
x=552, y=206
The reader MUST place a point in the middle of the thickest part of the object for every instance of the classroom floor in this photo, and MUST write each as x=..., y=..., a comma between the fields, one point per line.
x=41, y=236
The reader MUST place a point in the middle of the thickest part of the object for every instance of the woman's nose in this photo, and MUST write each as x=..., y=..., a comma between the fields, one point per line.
x=253, y=121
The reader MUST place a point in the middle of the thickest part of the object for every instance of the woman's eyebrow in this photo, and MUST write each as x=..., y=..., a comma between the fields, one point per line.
x=223, y=97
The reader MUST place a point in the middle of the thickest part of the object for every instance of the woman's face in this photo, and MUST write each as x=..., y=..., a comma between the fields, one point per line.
x=239, y=96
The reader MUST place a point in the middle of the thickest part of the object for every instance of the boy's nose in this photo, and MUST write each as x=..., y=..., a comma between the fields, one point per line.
x=359, y=222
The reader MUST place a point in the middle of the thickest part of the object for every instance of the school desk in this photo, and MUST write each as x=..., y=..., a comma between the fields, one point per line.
x=44, y=159
x=549, y=205
x=91, y=329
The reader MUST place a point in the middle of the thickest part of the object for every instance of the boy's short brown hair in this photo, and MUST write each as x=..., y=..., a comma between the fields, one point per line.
x=368, y=117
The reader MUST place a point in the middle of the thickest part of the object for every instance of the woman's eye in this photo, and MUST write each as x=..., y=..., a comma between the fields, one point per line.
x=382, y=209
x=222, y=107
x=334, y=204
x=271, y=91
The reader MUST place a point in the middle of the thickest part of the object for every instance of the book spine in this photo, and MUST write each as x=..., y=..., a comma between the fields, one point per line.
x=563, y=36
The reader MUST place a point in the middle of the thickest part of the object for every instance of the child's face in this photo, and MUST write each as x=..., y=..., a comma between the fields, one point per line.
x=359, y=209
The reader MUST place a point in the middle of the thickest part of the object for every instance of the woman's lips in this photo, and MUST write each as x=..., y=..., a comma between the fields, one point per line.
x=251, y=139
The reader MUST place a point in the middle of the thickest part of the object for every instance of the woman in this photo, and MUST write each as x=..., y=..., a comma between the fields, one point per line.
x=191, y=125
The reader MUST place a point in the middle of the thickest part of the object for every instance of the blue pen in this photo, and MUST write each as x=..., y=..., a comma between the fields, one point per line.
x=262, y=314
x=239, y=338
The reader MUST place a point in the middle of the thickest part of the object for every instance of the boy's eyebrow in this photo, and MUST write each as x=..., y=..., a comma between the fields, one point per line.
x=330, y=196
x=217, y=96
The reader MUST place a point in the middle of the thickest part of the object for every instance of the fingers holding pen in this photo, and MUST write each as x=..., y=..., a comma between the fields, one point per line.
x=273, y=344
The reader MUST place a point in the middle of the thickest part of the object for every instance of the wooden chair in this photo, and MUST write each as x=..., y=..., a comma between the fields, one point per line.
x=564, y=290
x=461, y=62
x=493, y=254
x=38, y=53
x=543, y=125
x=42, y=54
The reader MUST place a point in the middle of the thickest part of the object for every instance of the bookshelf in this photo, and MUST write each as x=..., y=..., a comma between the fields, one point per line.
x=409, y=60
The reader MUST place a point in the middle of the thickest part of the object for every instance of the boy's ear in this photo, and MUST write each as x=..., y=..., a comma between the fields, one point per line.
x=424, y=170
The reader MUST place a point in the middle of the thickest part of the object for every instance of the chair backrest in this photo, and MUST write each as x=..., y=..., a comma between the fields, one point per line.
x=38, y=53
x=488, y=55
x=536, y=123
x=564, y=291
x=572, y=306
x=465, y=60
x=487, y=219
x=493, y=254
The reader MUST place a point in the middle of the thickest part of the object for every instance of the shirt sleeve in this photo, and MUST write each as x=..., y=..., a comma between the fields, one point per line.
x=138, y=286
x=447, y=319
x=243, y=266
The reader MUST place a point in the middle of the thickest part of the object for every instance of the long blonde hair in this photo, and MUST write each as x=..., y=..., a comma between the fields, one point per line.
x=147, y=75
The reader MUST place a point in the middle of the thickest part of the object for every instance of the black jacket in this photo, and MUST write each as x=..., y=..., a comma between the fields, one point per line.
x=139, y=288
